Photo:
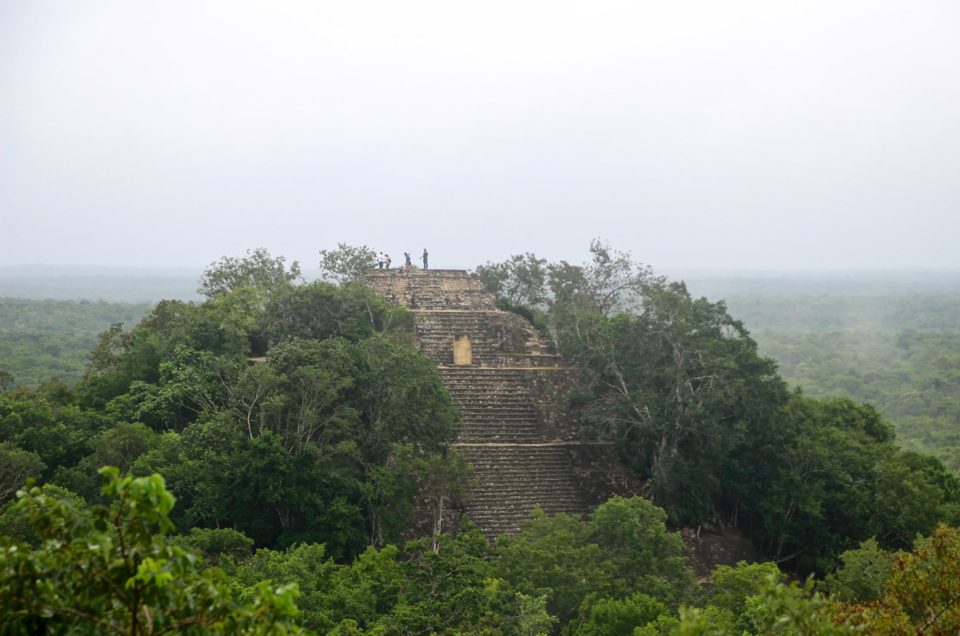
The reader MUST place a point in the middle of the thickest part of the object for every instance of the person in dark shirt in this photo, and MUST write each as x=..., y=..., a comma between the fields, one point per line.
x=424, y=257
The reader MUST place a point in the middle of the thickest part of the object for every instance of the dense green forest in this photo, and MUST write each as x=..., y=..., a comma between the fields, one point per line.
x=303, y=446
x=897, y=351
x=43, y=339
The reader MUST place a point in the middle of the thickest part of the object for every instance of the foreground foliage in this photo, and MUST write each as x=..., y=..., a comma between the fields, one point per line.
x=113, y=568
x=110, y=569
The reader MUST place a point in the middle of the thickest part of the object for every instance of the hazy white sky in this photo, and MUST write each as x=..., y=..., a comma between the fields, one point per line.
x=767, y=134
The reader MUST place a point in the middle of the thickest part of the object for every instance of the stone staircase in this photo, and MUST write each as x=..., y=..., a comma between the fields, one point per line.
x=506, y=395
x=495, y=404
x=513, y=478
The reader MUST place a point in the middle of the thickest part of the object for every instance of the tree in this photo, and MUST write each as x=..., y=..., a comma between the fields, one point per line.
x=632, y=532
x=122, y=445
x=305, y=565
x=673, y=380
x=828, y=476
x=922, y=596
x=216, y=544
x=442, y=481
x=616, y=617
x=623, y=547
x=15, y=521
x=863, y=576
x=675, y=383
x=391, y=590
x=733, y=586
x=609, y=282
x=7, y=381
x=347, y=262
x=321, y=310
x=520, y=280
x=111, y=570
x=532, y=616
x=257, y=269
x=16, y=465
x=550, y=558
x=791, y=609
x=449, y=590
x=60, y=434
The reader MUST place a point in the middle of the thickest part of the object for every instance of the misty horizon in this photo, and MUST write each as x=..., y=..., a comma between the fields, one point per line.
x=152, y=284
x=698, y=136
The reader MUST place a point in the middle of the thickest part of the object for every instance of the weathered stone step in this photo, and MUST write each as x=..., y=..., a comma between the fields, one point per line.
x=505, y=434
x=504, y=425
x=497, y=374
x=466, y=387
x=487, y=375
x=475, y=422
x=475, y=426
x=492, y=400
x=510, y=480
x=494, y=405
x=505, y=421
x=489, y=392
x=500, y=435
x=494, y=415
x=481, y=420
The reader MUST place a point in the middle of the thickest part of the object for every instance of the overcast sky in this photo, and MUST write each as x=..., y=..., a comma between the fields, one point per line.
x=731, y=135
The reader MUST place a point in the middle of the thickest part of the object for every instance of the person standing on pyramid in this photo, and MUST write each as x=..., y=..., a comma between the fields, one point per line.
x=424, y=257
x=406, y=258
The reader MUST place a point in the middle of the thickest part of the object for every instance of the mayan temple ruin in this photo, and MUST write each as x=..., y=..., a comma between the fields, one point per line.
x=511, y=388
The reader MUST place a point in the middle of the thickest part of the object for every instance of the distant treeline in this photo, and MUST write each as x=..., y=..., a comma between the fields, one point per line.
x=134, y=285
x=898, y=351
x=40, y=339
x=890, y=313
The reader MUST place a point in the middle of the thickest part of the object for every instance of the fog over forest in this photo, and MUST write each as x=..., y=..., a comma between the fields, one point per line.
x=146, y=284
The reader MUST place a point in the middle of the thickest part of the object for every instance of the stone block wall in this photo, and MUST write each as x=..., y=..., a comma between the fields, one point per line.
x=496, y=337
x=430, y=288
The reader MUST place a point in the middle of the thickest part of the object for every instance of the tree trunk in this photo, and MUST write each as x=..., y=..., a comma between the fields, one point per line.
x=437, y=525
